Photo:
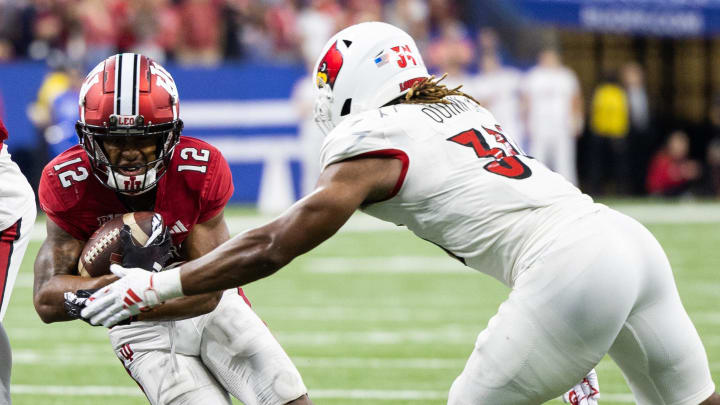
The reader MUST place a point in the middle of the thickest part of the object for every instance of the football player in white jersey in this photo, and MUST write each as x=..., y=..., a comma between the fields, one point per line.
x=586, y=280
x=17, y=216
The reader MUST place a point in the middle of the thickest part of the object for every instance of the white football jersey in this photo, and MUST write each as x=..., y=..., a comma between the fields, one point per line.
x=466, y=186
x=15, y=192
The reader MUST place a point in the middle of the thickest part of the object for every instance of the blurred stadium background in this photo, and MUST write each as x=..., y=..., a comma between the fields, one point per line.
x=375, y=316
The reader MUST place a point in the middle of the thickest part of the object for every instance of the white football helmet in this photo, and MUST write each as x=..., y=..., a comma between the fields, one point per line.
x=362, y=67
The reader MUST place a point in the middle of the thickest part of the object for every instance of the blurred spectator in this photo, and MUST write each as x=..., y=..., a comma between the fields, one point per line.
x=60, y=134
x=357, y=11
x=152, y=29
x=609, y=129
x=49, y=28
x=441, y=14
x=712, y=155
x=101, y=23
x=254, y=41
x=15, y=33
x=641, y=137
x=712, y=161
x=200, y=37
x=54, y=84
x=281, y=22
x=451, y=53
x=411, y=16
x=488, y=42
x=714, y=117
x=316, y=24
x=168, y=27
x=553, y=111
x=497, y=88
x=6, y=50
x=671, y=171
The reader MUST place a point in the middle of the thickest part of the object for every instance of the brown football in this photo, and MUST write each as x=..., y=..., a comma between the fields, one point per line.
x=105, y=247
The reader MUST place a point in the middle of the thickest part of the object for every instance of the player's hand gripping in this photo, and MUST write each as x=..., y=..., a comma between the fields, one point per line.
x=151, y=256
x=136, y=291
x=586, y=392
x=76, y=302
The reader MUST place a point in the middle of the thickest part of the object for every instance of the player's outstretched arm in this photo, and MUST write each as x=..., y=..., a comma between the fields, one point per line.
x=260, y=252
x=56, y=273
x=202, y=239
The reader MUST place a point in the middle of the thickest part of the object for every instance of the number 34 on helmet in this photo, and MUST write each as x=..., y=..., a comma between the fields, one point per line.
x=129, y=95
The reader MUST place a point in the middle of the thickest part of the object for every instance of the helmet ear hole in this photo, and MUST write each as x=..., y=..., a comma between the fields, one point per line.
x=346, y=107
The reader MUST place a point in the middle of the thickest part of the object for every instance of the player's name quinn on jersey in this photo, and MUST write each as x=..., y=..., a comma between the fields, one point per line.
x=439, y=112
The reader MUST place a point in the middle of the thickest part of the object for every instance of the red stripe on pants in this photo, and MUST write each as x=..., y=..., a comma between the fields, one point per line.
x=7, y=239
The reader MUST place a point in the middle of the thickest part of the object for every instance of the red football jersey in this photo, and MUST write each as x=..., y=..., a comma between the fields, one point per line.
x=195, y=188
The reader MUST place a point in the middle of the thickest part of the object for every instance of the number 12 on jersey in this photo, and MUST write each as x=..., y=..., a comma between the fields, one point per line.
x=203, y=155
x=506, y=162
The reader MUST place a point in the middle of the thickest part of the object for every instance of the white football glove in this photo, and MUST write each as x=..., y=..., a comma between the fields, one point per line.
x=137, y=290
x=586, y=392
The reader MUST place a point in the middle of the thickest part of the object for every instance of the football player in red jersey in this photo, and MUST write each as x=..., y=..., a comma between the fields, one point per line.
x=17, y=216
x=132, y=157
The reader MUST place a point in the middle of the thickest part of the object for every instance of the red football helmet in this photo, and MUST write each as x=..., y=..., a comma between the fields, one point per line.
x=129, y=95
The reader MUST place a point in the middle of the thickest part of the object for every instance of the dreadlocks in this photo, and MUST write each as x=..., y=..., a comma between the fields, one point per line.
x=429, y=91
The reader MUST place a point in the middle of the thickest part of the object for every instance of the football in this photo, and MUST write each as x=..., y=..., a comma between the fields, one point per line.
x=105, y=246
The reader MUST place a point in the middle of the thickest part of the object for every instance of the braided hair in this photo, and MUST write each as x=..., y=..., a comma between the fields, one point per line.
x=429, y=91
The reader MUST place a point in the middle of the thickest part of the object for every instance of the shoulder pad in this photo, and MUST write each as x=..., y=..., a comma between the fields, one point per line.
x=64, y=180
x=193, y=160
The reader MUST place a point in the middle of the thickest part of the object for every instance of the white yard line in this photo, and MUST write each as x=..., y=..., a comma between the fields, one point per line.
x=400, y=395
x=98, y=357
x=455, y=334
x=672, y=213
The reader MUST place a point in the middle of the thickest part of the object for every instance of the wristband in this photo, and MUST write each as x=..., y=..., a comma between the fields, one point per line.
x=167, y=284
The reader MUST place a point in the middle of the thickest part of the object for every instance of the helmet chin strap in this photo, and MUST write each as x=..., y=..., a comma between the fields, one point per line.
x=131, y=184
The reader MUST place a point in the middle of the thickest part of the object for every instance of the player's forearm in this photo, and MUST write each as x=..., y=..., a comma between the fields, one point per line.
x=239, y=261
x=49, y=299
x=182, y=308
x=262, y=251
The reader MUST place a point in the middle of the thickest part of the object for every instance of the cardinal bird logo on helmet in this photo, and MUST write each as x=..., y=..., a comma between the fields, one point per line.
x=329, y=67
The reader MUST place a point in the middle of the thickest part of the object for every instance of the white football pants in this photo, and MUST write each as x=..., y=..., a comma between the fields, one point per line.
x=17, y=217
x=229, y=350
x=604, y=286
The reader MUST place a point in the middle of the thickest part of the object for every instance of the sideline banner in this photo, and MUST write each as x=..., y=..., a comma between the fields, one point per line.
x=243, y=109
x=673, y=18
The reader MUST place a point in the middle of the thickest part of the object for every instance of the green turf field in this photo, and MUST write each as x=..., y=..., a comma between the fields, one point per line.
x=370, y=317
